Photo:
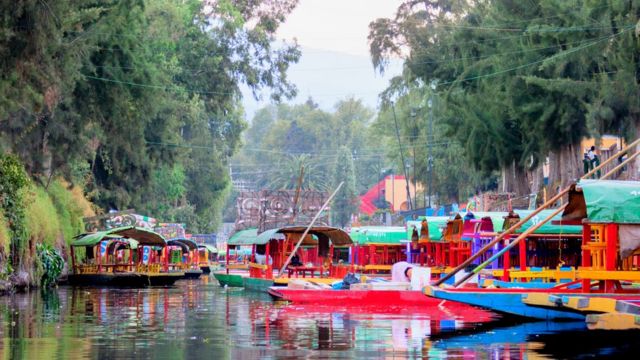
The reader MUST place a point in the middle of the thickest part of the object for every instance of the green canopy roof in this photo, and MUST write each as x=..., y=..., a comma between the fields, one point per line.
x=243, y=237
x=436, y=225
x=379, y=235
x=338, y=237
x=549, y=228
x=141, y=235
x=612, y=201
x=210, y=248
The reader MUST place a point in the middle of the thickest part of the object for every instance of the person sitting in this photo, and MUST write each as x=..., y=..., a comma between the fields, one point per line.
x=401, y=272
x=295, y=260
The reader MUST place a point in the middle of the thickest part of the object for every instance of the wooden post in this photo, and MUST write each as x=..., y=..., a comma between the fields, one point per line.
x=506, y=261
x=586, y=255
x=523, y=255
x=73, y=260
x=611, y=257
x=268, y=273
x=227, y=258
x=99, y=257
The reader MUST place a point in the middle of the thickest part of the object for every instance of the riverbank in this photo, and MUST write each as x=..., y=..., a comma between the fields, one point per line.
x=37, y=220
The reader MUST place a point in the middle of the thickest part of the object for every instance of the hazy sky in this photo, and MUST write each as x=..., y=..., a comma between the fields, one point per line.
x=336, y=25
x=335, y=61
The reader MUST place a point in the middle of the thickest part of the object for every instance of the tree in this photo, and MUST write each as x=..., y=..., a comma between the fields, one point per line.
x=345, y=202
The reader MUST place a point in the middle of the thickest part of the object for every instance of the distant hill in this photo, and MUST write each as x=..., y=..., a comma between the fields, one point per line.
x=329, y=76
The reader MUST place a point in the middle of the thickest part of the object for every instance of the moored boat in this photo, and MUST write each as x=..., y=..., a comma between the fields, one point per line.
x=125, y=256
x=185, y=259
x=208, y=258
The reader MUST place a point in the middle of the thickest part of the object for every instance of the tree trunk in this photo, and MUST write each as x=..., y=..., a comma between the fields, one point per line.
x=565, y=167
x=514, y=180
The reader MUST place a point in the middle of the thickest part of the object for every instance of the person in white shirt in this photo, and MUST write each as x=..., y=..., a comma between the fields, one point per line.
x=401, y=272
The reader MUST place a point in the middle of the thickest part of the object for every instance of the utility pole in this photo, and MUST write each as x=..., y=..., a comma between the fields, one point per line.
x=404, y=167
x=433, y=85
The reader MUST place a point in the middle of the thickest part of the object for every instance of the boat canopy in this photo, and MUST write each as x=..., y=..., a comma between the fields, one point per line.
x=435, y=223
x=338, y=237
x=382, y=235
x=185, y=244
x=141, y=235
x=604, y=201
x=243, y=237
x=549, y=228
x=210, y=248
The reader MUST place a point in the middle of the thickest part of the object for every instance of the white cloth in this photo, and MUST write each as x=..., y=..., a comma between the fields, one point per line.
x=260, y=259
x=420, y=277
x=397, y=271
x=591, y=155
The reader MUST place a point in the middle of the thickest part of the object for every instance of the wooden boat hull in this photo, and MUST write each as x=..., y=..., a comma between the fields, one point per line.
x=233, y=280
x=124, y=279
x=257, y=284
x=192, y=274
x=510, y=301
x=353, y=297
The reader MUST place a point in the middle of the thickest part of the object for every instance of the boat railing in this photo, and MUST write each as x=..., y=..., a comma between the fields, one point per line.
x=102, y=268
x=149, y=268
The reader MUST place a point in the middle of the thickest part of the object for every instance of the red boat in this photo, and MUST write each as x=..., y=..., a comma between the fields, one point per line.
x=353, y=297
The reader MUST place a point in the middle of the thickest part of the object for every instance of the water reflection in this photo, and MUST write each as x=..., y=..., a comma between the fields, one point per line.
x=198, y=319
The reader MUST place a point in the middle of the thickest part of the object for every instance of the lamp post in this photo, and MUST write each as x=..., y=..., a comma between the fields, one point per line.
x=433, y=85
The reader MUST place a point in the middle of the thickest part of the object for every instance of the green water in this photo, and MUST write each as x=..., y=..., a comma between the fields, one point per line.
x=200, y=320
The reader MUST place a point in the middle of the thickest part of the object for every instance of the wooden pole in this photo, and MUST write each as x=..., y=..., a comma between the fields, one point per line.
x=524, y=235
x=621, y=165
x=528, y=217
x=501, y=236
x=610, y=159
x=306, y=231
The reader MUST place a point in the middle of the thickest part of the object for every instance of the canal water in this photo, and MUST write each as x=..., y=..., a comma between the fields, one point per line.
x=198, y=319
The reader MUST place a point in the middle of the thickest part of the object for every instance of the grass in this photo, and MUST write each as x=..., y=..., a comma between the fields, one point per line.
x=71, y=206
x=43, y=222
x=5, y=238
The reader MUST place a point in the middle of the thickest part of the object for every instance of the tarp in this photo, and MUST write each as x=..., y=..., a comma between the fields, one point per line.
x=612, y=201
x=390, y=235
x=243, y=237
x=143, y=236
x=549, y=228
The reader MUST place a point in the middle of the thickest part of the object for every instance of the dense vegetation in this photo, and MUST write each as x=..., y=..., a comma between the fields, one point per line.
x=136, y=103
x=513, y=83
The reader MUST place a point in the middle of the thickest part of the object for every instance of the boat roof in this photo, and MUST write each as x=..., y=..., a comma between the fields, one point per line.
x=141, y=235
x=210, y=248
x=243, y=237
x=604, y=201
x=338, y=237
x=388, y=235
x=182, y=242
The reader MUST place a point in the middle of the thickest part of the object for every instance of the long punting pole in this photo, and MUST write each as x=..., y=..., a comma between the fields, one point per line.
x=306, y=231
x=528, y=217
x=511, y=245
x=622, y=164
x=500, y=237
x=611, y=158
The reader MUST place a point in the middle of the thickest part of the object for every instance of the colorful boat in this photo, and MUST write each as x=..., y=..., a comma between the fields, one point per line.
x=125, y=256
x=348, y=298
x=208, y=258
x=184, y=257
x=317, y=254
x=609, y=214
x=236, y=258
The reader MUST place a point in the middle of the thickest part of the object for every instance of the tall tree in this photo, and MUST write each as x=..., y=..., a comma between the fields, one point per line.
x=345, y=202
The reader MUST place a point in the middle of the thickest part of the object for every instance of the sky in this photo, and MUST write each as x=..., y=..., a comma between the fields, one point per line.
x=335, y=61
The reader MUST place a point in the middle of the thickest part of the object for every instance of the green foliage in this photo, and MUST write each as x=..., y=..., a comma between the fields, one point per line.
x=118, y=95
x=519, y=80
x=345, y=202
x=43, y=223
x=69, y=212
x=5, y=237
x=51, y=263
x=13, y=181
